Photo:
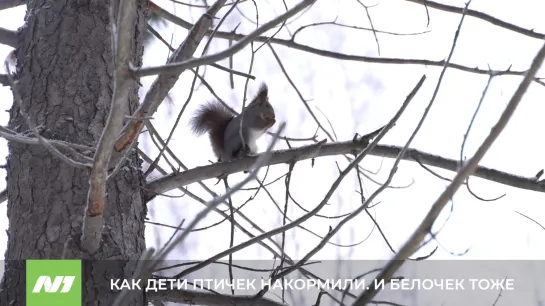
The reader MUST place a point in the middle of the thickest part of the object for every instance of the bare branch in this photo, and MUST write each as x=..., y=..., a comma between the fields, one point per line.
x=6, y=4
x=361, y=154
x=469, y=167
x=195, y=62
x=290, y=81
x=482, y=16
x=165, y=81
x=17, y=137
x=124, y=296
x=525, y=216
x=122, y=37
x=224, y=215
x=196, y=74
x=466, y=135
x=230, y=70
x=175, y=180
x=4, y=80
x=8, y=37
x=4, y=195
x=194, y=297
x=481, y=198
x=372, y=26
x=205, y=6
x=368, y=294
x=261, y=161
x=32, y=126
x=290, y=43
x=287, y=258
x=335, y=23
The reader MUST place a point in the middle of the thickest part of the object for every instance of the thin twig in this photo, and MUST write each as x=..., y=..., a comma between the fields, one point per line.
x=480, y=15
x=213, y=204
x=32, y=126
x=525, y=216
x=205, y=60
x=466, y=135
x=230, y=69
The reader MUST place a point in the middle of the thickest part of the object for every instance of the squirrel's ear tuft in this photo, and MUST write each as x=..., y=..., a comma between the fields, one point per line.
x=263, y=90
x=262, y=94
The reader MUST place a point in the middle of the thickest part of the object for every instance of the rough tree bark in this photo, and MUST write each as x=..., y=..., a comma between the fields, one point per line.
x=65, y=73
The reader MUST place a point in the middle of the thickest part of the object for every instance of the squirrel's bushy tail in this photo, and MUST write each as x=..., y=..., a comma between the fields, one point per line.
x=211, y=118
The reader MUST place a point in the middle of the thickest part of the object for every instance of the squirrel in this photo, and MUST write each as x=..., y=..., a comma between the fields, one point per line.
x=223, y=127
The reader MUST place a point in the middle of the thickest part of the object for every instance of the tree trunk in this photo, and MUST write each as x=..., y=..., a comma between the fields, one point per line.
x=65, y=73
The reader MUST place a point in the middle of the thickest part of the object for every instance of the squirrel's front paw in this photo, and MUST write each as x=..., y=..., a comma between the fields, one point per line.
x=242, y=152
x=250, y=153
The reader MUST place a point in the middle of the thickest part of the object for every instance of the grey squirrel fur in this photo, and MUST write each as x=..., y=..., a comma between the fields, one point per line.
x=223, y=127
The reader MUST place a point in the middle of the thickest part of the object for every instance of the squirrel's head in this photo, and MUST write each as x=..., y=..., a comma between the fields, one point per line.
x=268, y=118
x=266, y=111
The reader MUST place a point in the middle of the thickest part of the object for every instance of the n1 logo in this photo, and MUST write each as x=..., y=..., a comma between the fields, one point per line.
x=53, y=282
x=45, y=282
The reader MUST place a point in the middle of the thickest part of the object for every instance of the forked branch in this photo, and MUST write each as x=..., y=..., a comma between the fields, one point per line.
x=164, y=82
x=195, y=62
x=122, y=37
